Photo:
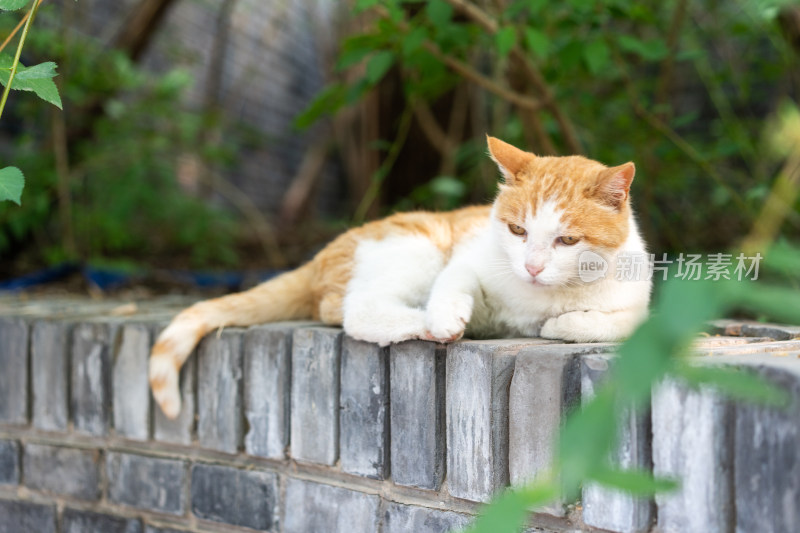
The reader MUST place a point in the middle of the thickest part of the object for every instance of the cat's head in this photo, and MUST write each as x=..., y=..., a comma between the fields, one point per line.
x=552, y=209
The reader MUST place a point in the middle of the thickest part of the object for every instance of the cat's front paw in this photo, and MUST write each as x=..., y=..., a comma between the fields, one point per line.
x=589, y=326
x=562, y=327
x=446, y=320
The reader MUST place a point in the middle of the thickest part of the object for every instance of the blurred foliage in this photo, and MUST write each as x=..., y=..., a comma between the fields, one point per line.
x=681, y=88
x=37, y=79
x=126, y=200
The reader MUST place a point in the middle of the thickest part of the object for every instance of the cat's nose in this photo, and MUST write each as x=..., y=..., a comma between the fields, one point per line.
x=534, y=270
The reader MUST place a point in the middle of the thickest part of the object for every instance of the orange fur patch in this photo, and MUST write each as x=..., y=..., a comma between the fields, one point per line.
x=579, y=187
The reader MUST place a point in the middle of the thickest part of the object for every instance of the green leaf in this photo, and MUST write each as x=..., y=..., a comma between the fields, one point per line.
x=13, y=5
x=413, y=41
x=38, y=72
x=12, y=181
x=537, y=42
x=509, y=511
x=635, y=482
x=39, y=84
x=378, y=65
x=782, y=258
x=596, y=55
x=448, y=186
x=363, y=5
x=439, y=12
x=652, y=50
x=736, y=383
x=328, y=100
x=505, y=40
x=351, y=57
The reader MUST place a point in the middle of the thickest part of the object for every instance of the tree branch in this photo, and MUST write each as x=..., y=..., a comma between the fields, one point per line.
x=468, y=72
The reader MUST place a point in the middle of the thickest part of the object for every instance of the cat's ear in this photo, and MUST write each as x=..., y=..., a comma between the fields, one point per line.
x=510, y=159
x=614, y=184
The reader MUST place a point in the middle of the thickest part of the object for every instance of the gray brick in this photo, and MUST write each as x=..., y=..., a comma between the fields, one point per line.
x=146, y=482
x=91, y=378
x=399, y=518
x=9, y=462
x=767, y=464
x=478, y=378
x=316, y=355
x=77, y=521
x=417, y=396
x=316, y=508
x=50, y=374
x=180, y=430
x=607, y=508
x=364, y=402
x=267, y=378
x=65, y=471
x=545, y=386
x=14, y=377
x=691, y=442
x=219, y=392
x=131, y=392
x=27, y=517
x=151, y=529
x=245, y=498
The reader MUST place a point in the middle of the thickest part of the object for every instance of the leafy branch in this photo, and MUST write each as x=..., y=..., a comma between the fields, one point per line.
x=37, y=79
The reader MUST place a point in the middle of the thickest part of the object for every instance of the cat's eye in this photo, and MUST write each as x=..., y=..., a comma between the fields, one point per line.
x=569, y=241
x=517, y=230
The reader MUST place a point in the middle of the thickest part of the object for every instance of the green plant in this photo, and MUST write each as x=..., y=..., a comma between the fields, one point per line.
x=608, y=79
x=111, y=183
x=37, y=79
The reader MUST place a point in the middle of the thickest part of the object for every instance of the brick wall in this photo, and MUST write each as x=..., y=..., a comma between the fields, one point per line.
x=295, y=427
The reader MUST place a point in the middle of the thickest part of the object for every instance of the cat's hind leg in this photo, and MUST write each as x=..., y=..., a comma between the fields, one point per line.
x=385, y=298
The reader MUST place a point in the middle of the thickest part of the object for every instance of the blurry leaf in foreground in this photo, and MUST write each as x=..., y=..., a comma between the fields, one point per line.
x=777, y=302
x=635, y=482
x=510, y=510
x=580, y=456
x=735, y=383
x=13, y=5
x=649, y=353
x=784, y=258
x=11, y=184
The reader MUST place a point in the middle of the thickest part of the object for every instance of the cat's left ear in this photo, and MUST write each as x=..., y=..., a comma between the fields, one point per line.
x=510, y=159
x=614, y=184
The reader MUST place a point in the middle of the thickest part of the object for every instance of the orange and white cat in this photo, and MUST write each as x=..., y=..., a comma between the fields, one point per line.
x=509, y=269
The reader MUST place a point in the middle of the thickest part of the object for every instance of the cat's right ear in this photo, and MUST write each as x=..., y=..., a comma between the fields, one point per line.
x=510, y=159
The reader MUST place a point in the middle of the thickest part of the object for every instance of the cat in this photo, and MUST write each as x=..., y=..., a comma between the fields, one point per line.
x=506, y=269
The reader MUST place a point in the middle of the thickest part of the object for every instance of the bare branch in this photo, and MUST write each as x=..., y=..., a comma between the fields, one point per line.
x=468, y=72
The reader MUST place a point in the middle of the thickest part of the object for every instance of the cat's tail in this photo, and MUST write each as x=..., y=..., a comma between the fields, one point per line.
x=286, y=297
